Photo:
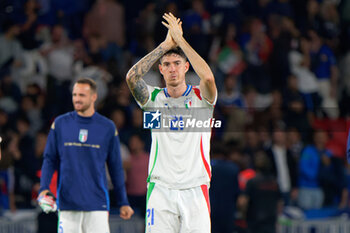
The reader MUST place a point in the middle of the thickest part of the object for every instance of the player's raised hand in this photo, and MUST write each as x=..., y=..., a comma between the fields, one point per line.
x=126, y=212
x=174, y=25
x=169, y=42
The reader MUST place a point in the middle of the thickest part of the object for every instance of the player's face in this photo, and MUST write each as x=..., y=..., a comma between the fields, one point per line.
x=173, y=68
x=83, y=97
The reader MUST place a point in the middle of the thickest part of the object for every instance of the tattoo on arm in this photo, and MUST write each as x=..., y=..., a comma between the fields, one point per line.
x=138, y=86
x=134, y=79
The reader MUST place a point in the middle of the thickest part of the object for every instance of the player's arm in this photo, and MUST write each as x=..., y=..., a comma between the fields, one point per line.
x=115, y=168
x=46, y=199
x=207, y=81
x=50, y=160
x=134, y=76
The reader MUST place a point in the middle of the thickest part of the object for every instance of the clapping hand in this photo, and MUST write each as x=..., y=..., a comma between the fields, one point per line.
x=174, y=25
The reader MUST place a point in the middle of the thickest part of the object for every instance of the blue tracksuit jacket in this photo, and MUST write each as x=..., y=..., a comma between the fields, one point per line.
x=79, y=148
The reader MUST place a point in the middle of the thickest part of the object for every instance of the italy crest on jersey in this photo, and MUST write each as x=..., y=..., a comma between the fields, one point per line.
x=188, y=102
x=83, y=135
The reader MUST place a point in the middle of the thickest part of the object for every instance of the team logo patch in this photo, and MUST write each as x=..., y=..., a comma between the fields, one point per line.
x=188, y=102
x=151, y=120
x=83, y=135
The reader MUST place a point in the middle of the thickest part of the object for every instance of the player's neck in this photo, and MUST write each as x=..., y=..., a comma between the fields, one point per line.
x=177, y=91
x=86, y=113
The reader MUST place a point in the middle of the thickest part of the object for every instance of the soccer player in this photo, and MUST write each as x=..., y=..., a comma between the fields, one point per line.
x=179, y=169
x=79, y=146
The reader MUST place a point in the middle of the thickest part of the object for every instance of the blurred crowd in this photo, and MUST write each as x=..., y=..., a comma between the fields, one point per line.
x=281, y=68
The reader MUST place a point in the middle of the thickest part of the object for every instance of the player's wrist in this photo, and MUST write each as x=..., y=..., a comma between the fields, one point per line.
x=180, y=41
x=167, y=45
x=43, y=191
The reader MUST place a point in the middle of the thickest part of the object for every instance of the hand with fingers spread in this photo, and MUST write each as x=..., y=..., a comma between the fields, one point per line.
x=174, y=25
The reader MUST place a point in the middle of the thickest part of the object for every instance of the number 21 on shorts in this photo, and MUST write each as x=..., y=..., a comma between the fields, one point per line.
x=150, y=217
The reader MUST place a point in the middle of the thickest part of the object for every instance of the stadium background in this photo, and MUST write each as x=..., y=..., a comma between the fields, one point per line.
x=280, y=65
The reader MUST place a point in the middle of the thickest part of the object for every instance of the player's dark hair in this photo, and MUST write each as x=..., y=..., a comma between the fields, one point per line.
x=262, y=162
x=88, y=81
x=177, y=51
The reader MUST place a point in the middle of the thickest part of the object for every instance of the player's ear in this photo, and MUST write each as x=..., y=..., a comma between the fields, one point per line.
x=187, y=66
x=94, y=96
x=160, y=68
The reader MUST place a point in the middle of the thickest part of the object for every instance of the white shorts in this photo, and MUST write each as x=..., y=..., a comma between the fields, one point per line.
x=83, y=222
x=174, y=211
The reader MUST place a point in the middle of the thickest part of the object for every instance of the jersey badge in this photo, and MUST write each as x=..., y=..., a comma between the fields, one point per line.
x=83, y=135
x=188, y=102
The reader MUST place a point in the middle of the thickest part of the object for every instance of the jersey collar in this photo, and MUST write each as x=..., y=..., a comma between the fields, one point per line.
x=188, y=90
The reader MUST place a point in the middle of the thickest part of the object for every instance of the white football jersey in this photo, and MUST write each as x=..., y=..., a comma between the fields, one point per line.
x=179, y=159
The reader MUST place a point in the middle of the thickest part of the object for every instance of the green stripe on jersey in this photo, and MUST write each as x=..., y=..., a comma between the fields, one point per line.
x=154, y=162
x=155, y=93
x=149, y=191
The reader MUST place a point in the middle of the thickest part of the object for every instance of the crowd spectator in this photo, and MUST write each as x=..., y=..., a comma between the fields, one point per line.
x=281, y=7
x=69, y=14
x=10, y=94
x=333, y=180
x=312, y=18
x=196, y=27
x=25, y=163
x=311, y=195
x=231, y=107
x=300, y=64
x=29, y=25
x=284, y=166
x=323, y=64
x=257, y=8
x=251, y=145
x=136, y=173
x=257, y=48
x=226, y=54
x=330, y=27
x=11, y=48
x=7, y=180
x=106, y=18
x=283, y=32
x=224, y=191
x=261, y=193
x=296, y=113
x=227, y=11
x=59, y=55
x=294, y=142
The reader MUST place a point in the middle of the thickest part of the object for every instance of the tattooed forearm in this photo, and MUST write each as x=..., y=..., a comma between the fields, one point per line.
x=138, y=89
x=134, y=79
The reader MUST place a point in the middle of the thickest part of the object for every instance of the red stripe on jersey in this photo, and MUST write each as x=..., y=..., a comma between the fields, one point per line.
x=197, y=92
x=206, y=195
x=206, y=165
